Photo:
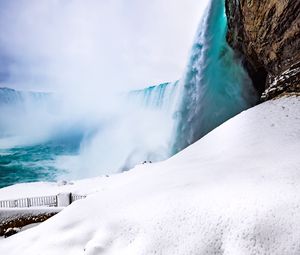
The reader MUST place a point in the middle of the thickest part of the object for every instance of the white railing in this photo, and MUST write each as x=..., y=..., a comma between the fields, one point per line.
x=46, y=201
x=75, y=197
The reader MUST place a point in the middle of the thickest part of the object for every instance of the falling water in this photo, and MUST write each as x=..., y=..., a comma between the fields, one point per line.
x=215, y=86
x=150, y=124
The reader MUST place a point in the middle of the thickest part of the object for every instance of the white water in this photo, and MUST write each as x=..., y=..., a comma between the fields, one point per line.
x=140, y=130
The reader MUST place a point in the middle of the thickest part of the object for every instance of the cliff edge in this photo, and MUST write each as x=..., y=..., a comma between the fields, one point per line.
x=267, y=34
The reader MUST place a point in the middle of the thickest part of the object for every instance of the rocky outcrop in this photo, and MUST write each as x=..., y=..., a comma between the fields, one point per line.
x=267, y=34
x=18, y=221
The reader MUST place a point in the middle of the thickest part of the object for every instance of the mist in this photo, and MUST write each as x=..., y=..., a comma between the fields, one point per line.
x=87, y=56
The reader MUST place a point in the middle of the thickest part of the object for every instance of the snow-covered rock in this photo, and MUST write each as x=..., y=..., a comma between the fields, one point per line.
x=236, y=191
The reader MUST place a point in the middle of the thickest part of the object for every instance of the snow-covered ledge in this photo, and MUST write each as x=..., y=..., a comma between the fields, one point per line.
x=236, y=191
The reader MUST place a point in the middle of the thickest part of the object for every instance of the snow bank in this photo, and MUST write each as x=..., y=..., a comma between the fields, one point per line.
x=236, y=191
x=36, y=189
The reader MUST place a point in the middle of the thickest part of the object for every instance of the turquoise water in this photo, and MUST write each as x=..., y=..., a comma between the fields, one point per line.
x=215, y=86
x=35, y=162
x=33, y=136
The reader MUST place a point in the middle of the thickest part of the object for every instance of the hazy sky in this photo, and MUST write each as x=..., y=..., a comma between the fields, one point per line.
x=96, y=44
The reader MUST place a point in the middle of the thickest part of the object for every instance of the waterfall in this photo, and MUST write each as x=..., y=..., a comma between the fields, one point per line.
x=161, y=97
x=10, y=97
x=215, y=86
x=150, y=124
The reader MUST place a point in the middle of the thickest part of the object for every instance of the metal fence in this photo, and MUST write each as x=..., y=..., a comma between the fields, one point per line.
x=47, y=201
x=75, y=197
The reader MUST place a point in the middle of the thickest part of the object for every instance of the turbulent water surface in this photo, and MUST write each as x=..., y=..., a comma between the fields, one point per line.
x=27, y=164
x=35, y=162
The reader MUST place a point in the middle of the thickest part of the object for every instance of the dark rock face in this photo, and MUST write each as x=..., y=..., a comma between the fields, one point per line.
x=267, y=34
x=9, y=225
x=11, y=231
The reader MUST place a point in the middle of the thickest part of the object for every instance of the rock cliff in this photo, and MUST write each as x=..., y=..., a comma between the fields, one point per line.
x=267, y=34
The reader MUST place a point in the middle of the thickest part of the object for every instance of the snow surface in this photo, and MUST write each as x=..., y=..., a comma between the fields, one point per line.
x=236, y=191
x=37, y=189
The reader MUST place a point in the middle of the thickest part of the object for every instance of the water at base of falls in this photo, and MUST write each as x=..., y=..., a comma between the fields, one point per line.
x=140, y=131
x=30, y=163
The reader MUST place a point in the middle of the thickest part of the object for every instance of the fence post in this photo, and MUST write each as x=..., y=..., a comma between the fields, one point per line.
x=63, y=199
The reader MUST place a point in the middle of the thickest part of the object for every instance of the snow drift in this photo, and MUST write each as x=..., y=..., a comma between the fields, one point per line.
x=236, y=191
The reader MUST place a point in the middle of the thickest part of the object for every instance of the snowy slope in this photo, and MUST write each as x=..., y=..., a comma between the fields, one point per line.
x=236, y=191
